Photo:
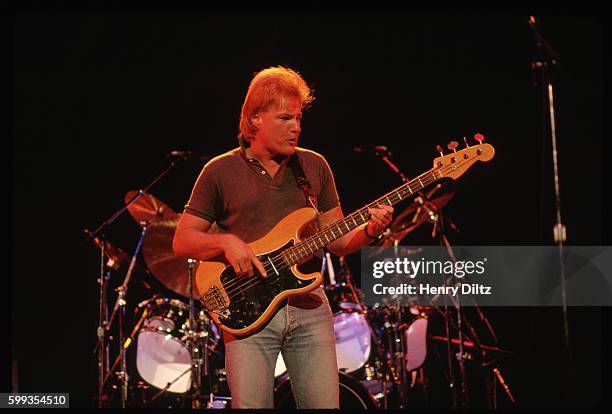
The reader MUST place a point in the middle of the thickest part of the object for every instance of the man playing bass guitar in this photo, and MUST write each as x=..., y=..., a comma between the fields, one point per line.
x=246, y=192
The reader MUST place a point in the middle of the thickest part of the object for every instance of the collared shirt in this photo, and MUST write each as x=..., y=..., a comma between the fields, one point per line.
x=237, y=193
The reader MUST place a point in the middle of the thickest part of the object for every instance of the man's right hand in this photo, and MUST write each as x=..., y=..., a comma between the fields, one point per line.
x=240, y=256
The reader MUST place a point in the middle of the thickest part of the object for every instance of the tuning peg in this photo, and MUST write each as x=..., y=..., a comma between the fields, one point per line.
x=466, y=143
x=440, y=150
x=453, y=146
x=479, y=137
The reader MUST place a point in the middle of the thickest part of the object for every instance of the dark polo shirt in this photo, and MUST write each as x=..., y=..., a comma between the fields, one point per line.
x=239, y=195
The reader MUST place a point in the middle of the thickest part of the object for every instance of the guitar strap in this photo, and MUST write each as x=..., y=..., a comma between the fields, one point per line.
x=302, y=182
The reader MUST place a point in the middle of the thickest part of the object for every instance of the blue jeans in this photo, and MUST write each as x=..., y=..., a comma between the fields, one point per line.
x=303, y=331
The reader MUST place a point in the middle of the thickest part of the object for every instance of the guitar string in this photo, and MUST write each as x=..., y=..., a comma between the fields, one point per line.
x=235, y=286
x=302, y=247
x=283, y=260
x=234, y=289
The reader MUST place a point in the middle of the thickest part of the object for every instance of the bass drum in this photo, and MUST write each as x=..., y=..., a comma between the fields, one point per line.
x=162, y=354
x=353, y=395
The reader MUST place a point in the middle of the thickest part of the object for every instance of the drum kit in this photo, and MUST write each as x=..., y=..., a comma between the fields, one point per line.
x=178, y=357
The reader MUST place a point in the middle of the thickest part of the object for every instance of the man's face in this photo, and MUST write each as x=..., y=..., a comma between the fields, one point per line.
x=279, y=127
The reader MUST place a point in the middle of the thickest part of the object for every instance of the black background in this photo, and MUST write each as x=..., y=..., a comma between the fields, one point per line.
x=99, y=98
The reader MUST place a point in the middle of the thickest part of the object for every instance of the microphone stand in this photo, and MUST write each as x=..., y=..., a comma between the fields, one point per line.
x=103, y=322
x=196, y=367
x=387, y=159
x=549, y=59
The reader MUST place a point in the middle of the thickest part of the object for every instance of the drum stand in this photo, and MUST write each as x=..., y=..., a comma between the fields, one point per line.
x=198, y=348
x=103, y=324
x=196, y=367
x=120, y=306
x=401, y=379
x=490, y=381
x=463, y=402
x=389, y=371
x=101, y=349
x=438, y=221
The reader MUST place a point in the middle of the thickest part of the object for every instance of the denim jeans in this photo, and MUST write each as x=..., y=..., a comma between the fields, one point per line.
x=302, y=330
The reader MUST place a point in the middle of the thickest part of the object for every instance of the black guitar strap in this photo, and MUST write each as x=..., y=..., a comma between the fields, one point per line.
x=302, y=182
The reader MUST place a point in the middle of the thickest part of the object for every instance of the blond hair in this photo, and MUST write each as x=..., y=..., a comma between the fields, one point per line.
x=267, y=87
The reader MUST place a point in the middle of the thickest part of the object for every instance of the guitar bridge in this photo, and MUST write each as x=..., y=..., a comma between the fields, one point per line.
x=214, y=301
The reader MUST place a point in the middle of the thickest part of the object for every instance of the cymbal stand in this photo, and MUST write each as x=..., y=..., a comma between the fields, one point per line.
x=129, y=340
x=196, y=366
x=493, y=364
x=101, y=347
x=389, y=370
x=103, y=324
x=196, y=349
x=387, y=157
x=167, y=387
x=120, y=307
x=399, y=353
x=438, y=221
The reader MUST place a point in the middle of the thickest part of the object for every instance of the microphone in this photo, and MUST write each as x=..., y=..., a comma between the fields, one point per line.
x=371, y=148
x=187, y=154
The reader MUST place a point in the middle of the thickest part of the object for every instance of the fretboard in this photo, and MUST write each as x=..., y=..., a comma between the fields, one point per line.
x=329, y=234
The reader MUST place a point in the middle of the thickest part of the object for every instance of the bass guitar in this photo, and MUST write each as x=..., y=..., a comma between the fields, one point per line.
x=243, y=305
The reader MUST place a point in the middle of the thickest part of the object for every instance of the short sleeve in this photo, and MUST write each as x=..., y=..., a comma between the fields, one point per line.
x=205, y=200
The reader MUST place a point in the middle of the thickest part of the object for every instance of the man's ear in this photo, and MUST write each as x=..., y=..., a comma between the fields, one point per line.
x=256, y=120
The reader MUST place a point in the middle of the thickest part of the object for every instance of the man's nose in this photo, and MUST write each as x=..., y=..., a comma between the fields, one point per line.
x=295, y=126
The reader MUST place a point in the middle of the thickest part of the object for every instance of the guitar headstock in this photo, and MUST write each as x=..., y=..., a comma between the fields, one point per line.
x=453, y=165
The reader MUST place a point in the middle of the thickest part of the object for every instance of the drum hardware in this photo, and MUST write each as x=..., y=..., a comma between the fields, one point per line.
x=382, y=376
x=172, y=271
x=126, y=345
x=384, y=370
x=120, y=307
x=470, y=344
x=425, y=208
x=163, y=357
x=103, y=322
x=176, y=274
x=461, y=395
x=192, y=340
x=495, y=375
x=167, y=387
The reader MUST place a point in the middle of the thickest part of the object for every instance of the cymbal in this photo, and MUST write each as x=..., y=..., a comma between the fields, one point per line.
x=117, y=258
x=147, y=208
x=415, y=215
x=172, y=271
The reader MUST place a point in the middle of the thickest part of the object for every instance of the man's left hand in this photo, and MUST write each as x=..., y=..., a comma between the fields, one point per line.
x=380, y=219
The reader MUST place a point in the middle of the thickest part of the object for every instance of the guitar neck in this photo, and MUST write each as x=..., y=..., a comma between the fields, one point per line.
x=329, y=234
